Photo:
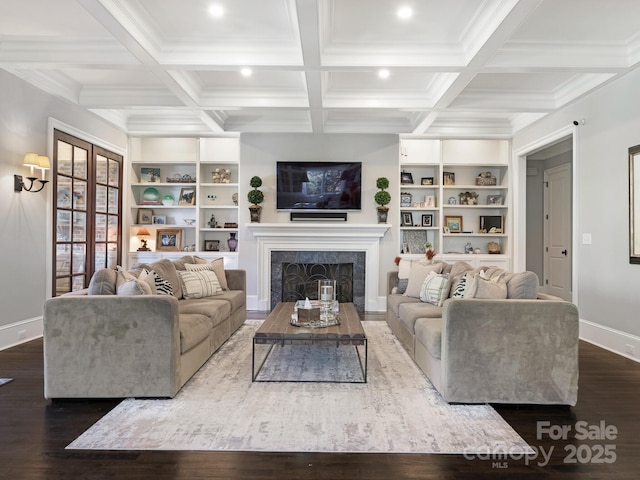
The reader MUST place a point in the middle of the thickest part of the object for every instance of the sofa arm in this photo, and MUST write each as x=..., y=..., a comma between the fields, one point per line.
x=236, y=279
x=105, y=346
x=510, y=351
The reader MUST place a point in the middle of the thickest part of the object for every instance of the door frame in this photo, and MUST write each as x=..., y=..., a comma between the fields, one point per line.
x=55, y=124
x=519, y=187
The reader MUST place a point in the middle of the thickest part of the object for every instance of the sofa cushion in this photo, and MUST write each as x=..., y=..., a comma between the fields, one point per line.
x=199, y=284
x=133, y=286
x=519, y=284
x=103, y=282
x=217, y=311
x=435, y=288
x=194, y=329
x=419, y=271
x=180, y=263
x=166, y=269
x=158, y=285
x=394, y=300
x=236, y=298
x=410, y=312
x=429, y=334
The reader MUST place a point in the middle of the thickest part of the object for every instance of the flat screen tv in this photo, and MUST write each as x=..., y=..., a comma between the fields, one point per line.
x=318, y=185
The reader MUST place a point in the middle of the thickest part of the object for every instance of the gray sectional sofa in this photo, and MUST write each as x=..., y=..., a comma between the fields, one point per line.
x=107, y=342
x=522, y=349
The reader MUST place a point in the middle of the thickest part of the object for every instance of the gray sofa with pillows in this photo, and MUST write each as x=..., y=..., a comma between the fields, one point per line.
x=485, y=335
x=141, y=333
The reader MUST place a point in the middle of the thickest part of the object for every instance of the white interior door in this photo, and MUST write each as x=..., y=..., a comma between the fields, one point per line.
x=558, y=231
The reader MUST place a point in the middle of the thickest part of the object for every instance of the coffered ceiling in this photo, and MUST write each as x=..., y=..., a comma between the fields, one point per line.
x=455, y=67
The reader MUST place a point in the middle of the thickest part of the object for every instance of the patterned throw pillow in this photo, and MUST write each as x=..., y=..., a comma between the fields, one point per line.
x=458, y=288
x=217, y=265
x=159, y=286
x=435, y=288
x=199, y=284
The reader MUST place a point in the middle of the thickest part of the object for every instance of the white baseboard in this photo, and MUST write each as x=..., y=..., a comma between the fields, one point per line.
x=615, y=341
x=20, y=332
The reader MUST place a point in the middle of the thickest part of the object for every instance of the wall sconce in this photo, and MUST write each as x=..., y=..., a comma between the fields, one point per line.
x=32, y=160
x=143, y=232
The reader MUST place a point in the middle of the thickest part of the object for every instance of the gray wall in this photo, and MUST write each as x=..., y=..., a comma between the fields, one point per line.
x=607, y=285
x=378, y=154
x=24, y=113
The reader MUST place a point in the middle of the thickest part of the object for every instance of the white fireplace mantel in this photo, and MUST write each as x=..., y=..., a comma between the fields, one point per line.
x=310, y=236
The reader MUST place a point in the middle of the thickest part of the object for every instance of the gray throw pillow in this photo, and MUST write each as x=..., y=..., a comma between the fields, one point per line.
x=103, y=282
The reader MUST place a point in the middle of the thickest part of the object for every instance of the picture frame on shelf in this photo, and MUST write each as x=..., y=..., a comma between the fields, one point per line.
x=212, y=245
x=145, y=216
x=168, y=239
x=448, y=178
x=405, y=199
x=426, y=181
x=406, y=219
x=149, y=175
x=430, y=201
x=159, y=219
x=405, y=248
x=427, y=220
x=187, y=196
x=491, y=224
x=406, y=178
x=494, y=200
x=453, y=223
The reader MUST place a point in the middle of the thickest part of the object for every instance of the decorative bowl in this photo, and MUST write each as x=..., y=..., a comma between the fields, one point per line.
x=189, y=221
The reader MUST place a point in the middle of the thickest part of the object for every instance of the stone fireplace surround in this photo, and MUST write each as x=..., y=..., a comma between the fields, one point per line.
x=318, y=237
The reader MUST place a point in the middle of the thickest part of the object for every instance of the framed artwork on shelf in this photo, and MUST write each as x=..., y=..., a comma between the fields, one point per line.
x=448, y=178
x=427, y=220
x=453, y=223
x=426, y=181
x=169, y=239
x=159, y=219
x=406, y=178
x=145, y=216
x=211, y=245
x=406, y=219
x=149, y=175
x=187, y=196
x=430, y=201
x=494, y=199
x=491, y=224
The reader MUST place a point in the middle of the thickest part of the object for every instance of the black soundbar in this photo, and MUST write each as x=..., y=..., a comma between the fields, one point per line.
x=318, y=216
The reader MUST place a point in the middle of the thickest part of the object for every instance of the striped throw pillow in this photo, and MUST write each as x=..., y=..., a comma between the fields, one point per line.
x=199, y=284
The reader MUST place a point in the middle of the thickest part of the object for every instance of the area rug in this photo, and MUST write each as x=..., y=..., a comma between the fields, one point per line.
x=397, y=411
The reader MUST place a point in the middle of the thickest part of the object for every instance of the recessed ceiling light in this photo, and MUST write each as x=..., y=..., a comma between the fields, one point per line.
x=404, y=13
x=246, y=72
x=383, y=73
x=216, y=10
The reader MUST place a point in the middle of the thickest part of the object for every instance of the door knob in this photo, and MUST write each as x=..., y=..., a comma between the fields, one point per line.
x=564, y=252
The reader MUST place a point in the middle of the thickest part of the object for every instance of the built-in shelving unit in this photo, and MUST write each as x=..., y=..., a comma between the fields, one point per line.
x=185, y=191
x=454, y=194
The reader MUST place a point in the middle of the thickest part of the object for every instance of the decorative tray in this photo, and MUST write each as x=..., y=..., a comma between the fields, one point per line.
x=314, y=323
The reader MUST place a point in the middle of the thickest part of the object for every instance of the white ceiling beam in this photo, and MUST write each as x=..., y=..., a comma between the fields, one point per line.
x=310, y=41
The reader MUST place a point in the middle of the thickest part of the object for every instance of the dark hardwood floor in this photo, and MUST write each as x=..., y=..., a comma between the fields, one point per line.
x=35, y=431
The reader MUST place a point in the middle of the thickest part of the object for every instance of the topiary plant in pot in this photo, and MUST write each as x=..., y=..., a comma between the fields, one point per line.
x=382, y=198
x=255, y=197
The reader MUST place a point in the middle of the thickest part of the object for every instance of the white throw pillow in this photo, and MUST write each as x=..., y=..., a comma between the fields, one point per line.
x=133, y=286
x=199, y=284
x=479, y=286
x=435, y=288
x=419, y=271
x=217, y=265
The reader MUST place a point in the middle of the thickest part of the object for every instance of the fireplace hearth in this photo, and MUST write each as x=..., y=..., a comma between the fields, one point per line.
x=294, y=275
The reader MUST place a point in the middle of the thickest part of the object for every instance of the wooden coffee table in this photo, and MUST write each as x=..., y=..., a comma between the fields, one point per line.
x=277, y=330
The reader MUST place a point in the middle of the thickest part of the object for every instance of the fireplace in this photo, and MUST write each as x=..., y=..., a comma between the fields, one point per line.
x=294, y=275
x=359, y=243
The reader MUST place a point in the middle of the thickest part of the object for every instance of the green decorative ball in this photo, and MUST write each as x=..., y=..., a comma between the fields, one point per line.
x=151, y=195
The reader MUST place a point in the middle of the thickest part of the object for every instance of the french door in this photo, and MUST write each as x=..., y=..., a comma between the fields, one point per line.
x=87, y=189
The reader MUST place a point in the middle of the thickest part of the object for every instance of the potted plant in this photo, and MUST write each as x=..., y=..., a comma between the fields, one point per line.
x=255, y=197
x=382, y=198
x=429, y=252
